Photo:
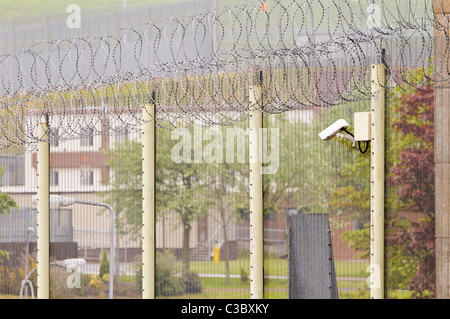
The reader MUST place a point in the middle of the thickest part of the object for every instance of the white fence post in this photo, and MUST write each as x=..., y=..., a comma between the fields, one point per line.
x=148, y=201
x=43, y=210
x=256, y=197
x=377, y=183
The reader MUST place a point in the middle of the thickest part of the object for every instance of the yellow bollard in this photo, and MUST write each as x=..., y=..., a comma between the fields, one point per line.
x=216, y=255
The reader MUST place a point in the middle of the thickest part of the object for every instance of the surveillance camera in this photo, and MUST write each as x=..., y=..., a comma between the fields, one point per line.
x=332, y=130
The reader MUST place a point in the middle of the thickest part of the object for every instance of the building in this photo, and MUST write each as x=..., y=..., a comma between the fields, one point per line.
x=79, y=169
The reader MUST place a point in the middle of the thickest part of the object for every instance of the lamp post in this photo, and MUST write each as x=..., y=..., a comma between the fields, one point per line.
x=27, y=252
x=58, y=200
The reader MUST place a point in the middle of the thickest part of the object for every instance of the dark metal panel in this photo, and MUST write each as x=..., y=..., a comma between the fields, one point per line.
x=312, y=273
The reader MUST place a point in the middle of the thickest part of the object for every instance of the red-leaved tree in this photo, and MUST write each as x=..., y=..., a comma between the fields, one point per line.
x=413, y=178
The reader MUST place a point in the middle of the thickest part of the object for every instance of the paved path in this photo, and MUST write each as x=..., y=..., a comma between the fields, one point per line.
x=129, y=269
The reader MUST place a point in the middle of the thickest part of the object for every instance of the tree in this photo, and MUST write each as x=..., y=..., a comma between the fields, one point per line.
x=6, y=204
x=325, y=177
x=125, y=193
x=104, y=265
x=409, y=199
x=187, y=185
x=180, y=187
x=225, y=178
x=229, y=181
x=413, y=178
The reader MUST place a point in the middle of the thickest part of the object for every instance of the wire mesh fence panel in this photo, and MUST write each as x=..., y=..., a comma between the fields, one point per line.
x=317, y=177
x=410, y=195
x=18, y=244
x=190, y=60
x=203, y=69
x=17, y=33
x=101, y=257
x=200, y=249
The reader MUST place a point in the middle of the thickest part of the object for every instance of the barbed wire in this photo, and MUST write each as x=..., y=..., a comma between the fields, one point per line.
x=310, y=53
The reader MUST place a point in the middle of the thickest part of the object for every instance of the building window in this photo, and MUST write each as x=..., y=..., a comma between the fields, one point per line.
x=54, y=137
x=54, y=178
x=87, y=136
x=121, y=134
x=13, y=171
x=357, y=224
x=243, y=214
x=87, y=177
x=270, y=215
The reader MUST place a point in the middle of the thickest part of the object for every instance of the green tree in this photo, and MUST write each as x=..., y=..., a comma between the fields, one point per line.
x=125, y=192
x=223, y=203
x=187, y=185
x=104, y=265
x=6, y=204
x=315, y=175
x=181, y=188
x=409, y=193
x=229, y=182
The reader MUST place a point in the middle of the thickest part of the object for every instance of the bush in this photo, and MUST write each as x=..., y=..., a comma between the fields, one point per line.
x=94, y=283
x=192, y=283
x=105, y=278
x=104, y=265
x=3, y=254
x=244, y=276
x=167, y=283
x=11, y=276
x=138, y=273
x=9, y=281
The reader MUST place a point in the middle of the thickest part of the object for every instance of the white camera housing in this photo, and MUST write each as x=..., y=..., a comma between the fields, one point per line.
x=332, y=130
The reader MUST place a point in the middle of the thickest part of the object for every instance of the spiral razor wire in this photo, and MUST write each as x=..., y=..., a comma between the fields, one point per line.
x=303, y=53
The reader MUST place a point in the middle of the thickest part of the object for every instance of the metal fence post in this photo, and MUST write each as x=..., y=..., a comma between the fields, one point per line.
x=442, y=152
x=256, y=197
x=148, y=201
x=43, y=210
x=377, y=183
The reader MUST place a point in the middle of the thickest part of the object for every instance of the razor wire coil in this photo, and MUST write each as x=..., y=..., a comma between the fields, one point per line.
x=312, y=53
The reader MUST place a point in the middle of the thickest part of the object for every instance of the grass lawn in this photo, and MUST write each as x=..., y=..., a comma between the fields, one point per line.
x=351, y=280
x=216, y=288
x=355, y=269
x=276, y=267
x=272, y=267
